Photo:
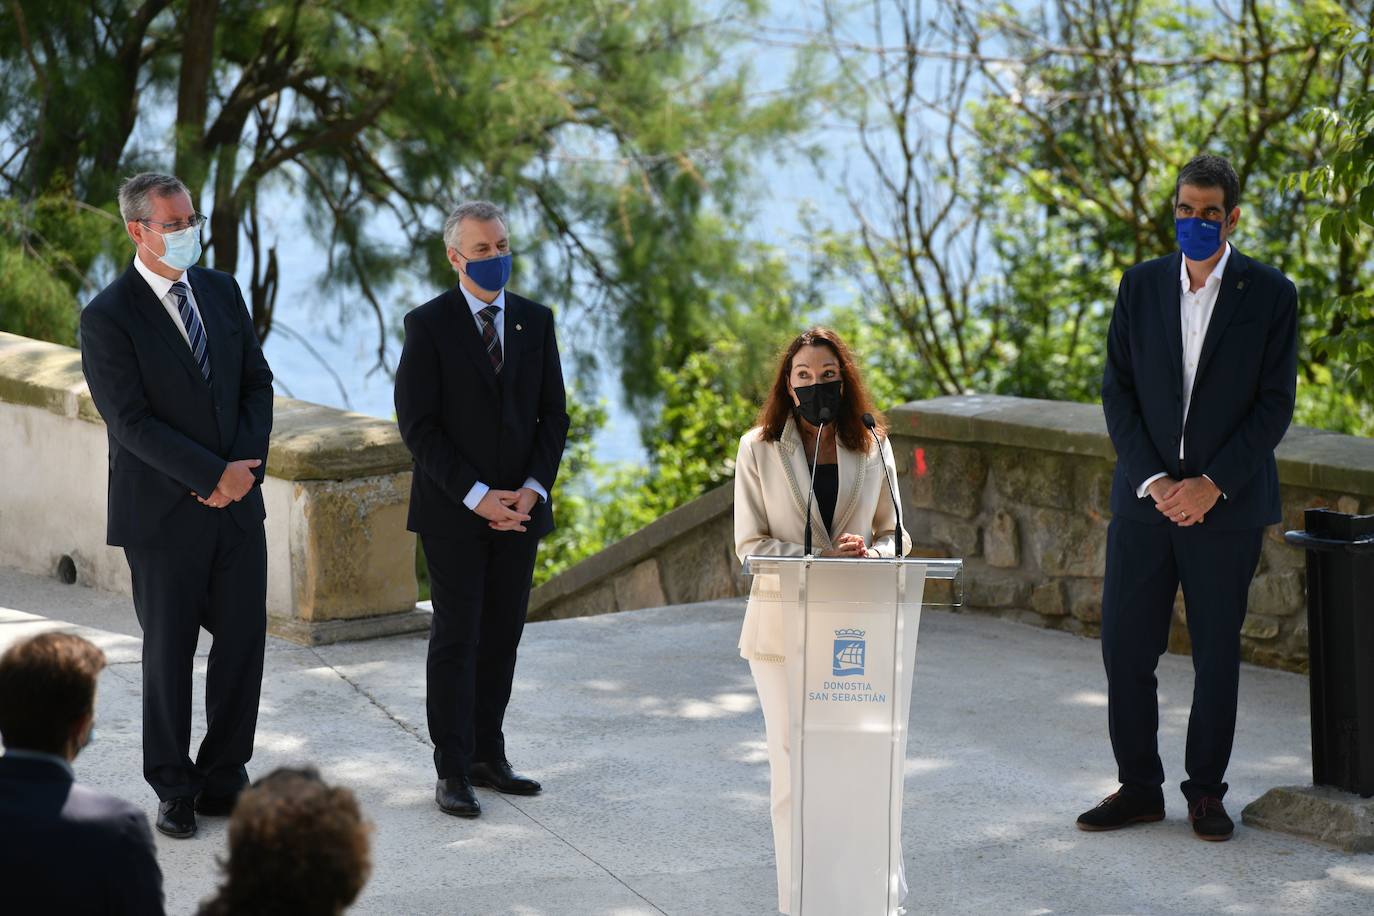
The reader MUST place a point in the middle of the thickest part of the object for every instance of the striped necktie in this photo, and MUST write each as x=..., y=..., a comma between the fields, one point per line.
x=490, y=339
x=195, y=333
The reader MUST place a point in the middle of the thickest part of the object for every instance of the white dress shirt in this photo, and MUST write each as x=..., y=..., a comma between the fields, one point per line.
x=162, y=288
x=1195, y=313
x=479, y=489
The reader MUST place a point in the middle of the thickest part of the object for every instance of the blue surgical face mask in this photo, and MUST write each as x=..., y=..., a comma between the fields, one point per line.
x=490, y=273
x=1198, y=238
x=183, y=248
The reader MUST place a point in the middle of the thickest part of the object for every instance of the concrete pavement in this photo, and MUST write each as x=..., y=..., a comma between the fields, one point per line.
x=645, y=730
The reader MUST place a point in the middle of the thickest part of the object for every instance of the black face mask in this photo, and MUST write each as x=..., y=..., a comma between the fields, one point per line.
x=820, y=403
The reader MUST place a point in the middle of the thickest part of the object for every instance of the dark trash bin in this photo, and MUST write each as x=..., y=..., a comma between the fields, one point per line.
x=1340, y=633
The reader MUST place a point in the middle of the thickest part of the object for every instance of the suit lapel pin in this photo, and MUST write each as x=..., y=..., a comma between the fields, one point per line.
x=1240, y=284
x=519, y=328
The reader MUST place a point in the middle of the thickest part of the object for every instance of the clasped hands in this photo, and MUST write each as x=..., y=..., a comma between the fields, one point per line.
x=507, y=510
x=1184, y=502
x=233, y=485
x=848, y=545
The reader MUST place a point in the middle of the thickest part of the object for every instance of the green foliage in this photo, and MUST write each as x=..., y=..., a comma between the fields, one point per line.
x=41, y=244
x=1342, y=360
x=1027, y=159
x=619, y=135
x=591, y=510
x=706, y=404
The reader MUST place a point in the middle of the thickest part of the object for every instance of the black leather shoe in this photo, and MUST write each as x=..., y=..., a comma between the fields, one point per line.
x=1210, y=820
x=455, y=796
x=175, y=818
x=216, y=805
x=1122, y=809
x=497, y=774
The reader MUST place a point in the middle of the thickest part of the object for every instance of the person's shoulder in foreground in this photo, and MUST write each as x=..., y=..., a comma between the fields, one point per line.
x=82, y=851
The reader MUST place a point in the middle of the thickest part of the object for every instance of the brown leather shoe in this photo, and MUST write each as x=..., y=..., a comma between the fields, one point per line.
x=497, y=774
x=455, y=796
x=1210, y=820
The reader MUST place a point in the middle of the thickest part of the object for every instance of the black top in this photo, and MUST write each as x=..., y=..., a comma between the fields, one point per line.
x=827, y=491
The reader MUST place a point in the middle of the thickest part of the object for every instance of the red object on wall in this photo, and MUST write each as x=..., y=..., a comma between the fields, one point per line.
x=919, y=461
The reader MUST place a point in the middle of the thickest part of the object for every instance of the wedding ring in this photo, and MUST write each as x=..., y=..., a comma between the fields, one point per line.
x=1183, y=515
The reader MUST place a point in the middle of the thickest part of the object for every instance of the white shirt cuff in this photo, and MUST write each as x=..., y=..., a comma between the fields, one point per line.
x=1144, y=488
x=538, y=488
x=475, y=495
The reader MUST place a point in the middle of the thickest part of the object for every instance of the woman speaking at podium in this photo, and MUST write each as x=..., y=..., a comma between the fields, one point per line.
x=811, y=427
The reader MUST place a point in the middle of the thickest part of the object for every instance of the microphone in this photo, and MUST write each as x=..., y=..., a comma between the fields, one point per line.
x=891, y=490
x=811, y=490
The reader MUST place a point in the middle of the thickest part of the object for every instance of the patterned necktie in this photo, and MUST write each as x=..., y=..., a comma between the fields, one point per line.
x=490, y=339
x=195, y=333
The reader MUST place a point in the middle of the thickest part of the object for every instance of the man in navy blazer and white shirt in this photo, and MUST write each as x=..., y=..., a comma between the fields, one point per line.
x=481, y=405
x=1199, y=388
x=175, y=369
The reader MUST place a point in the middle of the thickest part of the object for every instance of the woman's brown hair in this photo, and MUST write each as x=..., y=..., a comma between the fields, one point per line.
x=849, y=427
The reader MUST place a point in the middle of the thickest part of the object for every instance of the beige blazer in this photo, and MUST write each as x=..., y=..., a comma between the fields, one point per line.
x=771, y=480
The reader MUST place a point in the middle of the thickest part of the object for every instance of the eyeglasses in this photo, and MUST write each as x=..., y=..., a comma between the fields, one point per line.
x=500, y=251
x=195, y=222
x=1213, y=214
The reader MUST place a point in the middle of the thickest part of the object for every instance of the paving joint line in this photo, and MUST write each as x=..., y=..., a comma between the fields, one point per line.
x=408, y=729
x=414, y=733
x=554, y=833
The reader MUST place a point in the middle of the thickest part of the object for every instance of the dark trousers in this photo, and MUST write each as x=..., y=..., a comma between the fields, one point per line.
x=1145, y=566
x=480, y=587
x=217, y=581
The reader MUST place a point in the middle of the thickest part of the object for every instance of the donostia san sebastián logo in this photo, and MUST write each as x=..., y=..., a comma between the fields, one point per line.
x=849, y=653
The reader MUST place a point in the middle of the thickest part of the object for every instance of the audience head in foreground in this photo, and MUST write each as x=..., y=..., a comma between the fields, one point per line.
x=47, y=712
x=296, y=846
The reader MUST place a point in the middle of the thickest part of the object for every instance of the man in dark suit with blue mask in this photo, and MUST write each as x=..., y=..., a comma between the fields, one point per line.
x=67, y=848
x=1199, y=387
x=481, y=406
x=175, y=369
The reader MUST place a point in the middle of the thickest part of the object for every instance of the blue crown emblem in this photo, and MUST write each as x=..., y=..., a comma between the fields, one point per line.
x=848, y=658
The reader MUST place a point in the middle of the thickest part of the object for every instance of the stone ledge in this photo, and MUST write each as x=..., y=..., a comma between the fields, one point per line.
x=35, y=373
x=627, y=553
x=324, y=632
x=313, y=442
x=1318, y=813
x=309, y=441
x=1310, y=458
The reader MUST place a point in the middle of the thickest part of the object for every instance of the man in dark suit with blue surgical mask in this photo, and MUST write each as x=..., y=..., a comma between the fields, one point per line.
x=481, y=406
x=1198, y=390
x=175, y=369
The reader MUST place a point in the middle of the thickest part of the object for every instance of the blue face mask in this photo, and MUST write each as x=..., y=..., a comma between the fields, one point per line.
x=1198, y=238
x=490, y=273
x=183, y=248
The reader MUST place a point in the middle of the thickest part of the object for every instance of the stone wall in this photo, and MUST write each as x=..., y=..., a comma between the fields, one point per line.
x=1020, y=489
x=687, y=555
x=340, y=563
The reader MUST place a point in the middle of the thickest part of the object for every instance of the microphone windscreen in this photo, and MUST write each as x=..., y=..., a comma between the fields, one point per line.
x=868, y=421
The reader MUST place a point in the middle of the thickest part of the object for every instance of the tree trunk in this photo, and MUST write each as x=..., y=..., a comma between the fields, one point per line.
x=193, y=92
